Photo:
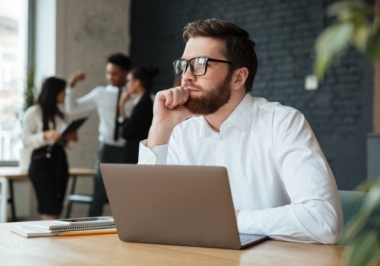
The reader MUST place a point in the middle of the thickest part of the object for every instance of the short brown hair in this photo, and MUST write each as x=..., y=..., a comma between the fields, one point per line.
x=238, y=48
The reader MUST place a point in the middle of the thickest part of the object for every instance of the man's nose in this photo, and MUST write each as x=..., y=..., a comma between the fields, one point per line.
x=188, y=75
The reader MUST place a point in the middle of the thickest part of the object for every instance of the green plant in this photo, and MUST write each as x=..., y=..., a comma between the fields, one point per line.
x=29, y=89
x=357, y=24
x=362, y=232
x=353, y=26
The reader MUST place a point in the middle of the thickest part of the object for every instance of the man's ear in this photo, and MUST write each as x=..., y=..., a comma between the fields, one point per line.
x=239, y=77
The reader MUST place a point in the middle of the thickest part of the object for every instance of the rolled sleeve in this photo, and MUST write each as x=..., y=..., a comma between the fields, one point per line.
x=157, y=155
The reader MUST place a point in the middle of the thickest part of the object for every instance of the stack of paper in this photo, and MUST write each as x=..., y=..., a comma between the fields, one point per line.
x=91, y=225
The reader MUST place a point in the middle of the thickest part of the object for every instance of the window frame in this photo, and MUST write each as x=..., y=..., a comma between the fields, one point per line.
x=30, y=62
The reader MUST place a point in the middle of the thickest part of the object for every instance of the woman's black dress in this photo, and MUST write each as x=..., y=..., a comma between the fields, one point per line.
x=49, y=173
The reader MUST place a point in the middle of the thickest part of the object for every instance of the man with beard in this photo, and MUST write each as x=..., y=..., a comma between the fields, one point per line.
x=281, y=183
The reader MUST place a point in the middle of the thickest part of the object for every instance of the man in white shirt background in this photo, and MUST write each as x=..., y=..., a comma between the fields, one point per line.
x=105, y=101
x=282, y=185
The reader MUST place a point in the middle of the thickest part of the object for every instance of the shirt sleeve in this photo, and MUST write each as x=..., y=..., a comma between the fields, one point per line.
x=32, y=137
x=158, y=155
x=314, y=214
x=76, y=107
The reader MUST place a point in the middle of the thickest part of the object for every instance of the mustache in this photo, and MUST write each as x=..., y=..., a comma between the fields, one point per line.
x=190, y=84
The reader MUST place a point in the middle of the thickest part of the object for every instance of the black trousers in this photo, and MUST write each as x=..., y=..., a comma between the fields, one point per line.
x=107, y=154
x=49, y=173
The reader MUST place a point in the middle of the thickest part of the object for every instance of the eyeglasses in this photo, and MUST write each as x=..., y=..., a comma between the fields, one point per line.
x=198, y=65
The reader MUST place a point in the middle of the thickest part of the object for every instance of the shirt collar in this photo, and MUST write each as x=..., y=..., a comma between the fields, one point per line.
x=136, y=99
x=239, y=117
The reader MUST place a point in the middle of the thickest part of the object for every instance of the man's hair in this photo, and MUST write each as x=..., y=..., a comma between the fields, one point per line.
x=238, y=48
x=121, y=60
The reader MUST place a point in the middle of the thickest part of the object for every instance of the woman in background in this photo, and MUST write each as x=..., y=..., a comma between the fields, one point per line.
x=48, y=170
x=136, y=127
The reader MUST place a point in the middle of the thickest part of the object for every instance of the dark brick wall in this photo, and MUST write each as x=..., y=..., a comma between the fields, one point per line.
x=339, y=111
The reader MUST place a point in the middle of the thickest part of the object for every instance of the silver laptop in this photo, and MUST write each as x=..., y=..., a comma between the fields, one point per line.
x=175, y=205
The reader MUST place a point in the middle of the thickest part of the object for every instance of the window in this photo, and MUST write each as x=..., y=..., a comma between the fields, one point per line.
x=13, y=65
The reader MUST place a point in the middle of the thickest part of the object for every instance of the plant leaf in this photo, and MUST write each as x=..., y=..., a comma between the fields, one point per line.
x=330, y=45
x=344, y=6
x=361, y=34
x=30, y=89
x=373, y=46
x=320, y=66
x=334, y=39
x=354, y=226
x=364, y=250
x=367, y=185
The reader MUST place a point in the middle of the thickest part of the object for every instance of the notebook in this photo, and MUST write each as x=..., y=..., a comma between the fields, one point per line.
x=18, y=228
x=171, y=204
x=73, y=125
x=75, y=224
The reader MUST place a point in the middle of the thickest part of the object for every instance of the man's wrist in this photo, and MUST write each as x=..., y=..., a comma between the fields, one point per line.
x=159, y=134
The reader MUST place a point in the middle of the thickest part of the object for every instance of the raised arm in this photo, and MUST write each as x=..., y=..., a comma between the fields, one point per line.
x=77, y=106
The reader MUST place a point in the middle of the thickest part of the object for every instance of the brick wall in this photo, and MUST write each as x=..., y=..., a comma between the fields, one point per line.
x=340, y=111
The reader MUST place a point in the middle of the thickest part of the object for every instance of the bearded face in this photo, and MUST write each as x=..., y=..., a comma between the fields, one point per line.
x=211, y=99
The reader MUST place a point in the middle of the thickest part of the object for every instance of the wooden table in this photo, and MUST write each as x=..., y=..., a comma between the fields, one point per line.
x=109, y=250
x=10, y=174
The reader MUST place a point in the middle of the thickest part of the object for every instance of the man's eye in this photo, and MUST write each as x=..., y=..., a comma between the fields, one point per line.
x=201, y=62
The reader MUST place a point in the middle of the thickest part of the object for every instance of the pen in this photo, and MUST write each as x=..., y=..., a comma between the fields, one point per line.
x=89, y=232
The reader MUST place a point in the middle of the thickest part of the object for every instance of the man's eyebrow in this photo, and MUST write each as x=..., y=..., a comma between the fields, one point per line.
x=196, y=57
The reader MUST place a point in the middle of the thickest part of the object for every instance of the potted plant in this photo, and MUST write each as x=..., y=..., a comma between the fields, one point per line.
x=29, y=90
x=357, y=24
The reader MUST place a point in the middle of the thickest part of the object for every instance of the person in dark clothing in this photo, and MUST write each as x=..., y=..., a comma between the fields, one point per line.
x=48, y=170
x=136, y=127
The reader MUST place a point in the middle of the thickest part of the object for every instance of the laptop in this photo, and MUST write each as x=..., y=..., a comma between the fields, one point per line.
x=174, y=205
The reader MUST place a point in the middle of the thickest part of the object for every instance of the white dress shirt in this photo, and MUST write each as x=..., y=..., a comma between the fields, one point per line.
x=279, y=177
x=33, y=128
x=104, y=100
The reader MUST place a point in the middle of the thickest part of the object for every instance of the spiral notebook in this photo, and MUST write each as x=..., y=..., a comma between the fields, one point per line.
x=18, y=228
x=65, y=225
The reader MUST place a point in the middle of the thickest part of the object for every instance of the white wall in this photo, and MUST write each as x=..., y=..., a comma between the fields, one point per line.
x=79, y=35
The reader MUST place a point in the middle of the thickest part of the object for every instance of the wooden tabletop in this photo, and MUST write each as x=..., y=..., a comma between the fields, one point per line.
x=109, y=250
x=15, y=173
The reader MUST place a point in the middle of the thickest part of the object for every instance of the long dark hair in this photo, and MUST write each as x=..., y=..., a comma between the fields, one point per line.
x=47, y=100
x=145, y=74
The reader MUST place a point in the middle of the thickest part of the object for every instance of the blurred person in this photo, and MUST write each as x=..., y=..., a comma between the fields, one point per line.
x=105, y=100
x=48, y=170
x=136, y=127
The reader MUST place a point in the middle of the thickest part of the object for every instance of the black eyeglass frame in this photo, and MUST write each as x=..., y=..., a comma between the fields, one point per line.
x=207, y=59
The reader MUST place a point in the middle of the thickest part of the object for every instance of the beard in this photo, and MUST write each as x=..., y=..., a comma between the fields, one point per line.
x=212, y=99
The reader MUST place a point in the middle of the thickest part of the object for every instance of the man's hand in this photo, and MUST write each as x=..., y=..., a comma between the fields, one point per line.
x=75, y=77
x=52, y=135
x=168, y=112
